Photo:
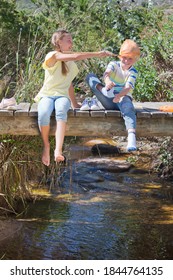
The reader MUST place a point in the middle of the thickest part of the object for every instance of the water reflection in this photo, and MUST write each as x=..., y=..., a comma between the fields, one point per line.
x=97, y=214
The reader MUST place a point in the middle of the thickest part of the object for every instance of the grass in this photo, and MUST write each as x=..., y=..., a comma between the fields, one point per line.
x=19, y=164
x=21, y=170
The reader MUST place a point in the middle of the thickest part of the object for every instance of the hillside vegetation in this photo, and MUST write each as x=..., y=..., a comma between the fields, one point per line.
x=25, y=38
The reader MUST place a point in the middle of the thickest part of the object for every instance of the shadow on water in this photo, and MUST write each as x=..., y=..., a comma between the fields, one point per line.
x=97, y=212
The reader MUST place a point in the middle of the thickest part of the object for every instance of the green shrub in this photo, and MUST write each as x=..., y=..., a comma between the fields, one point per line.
x=25, y=38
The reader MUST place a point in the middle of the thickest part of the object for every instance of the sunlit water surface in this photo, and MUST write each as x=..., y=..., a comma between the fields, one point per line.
x=97, y=214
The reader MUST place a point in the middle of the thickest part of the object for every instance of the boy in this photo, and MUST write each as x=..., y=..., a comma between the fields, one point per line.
x=120, y=77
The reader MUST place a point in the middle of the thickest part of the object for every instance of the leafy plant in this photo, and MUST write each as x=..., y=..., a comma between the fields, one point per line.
x=164, y=164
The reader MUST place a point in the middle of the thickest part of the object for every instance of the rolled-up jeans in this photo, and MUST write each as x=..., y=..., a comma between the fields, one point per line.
x=47, y=104
x=125, y=106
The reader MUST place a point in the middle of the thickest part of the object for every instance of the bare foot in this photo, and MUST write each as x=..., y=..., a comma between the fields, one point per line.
x=46, y=156
x=58, y=156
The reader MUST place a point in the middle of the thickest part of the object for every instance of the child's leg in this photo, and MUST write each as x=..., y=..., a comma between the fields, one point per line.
x=59, y=138
x=45, y=108
x=46, y=149
x=131, y=145
x=62, y=105
x=128, y=112
x=96, y=85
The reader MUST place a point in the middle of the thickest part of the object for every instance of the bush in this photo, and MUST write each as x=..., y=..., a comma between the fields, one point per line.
x=95, y=25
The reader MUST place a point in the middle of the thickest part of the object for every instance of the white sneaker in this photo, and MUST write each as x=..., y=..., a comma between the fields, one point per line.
x=85, y=105
x=94, y=105
x=7, y=103
x=100, y=105
x=108, y=93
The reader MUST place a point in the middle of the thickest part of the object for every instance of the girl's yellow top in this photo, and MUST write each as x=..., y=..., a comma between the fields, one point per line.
x=55, y=83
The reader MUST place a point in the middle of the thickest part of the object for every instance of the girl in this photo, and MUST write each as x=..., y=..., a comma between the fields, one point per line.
x=57, y=91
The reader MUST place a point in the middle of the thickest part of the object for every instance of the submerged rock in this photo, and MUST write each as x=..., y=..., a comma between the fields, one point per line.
x=107, y=164
x=105, y=149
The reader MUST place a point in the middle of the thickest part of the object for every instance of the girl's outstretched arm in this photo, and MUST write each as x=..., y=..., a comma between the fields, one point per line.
x=81, y=55
x=70, y=56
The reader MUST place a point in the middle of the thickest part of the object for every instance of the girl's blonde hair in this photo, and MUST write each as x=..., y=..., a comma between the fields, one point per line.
x=58, y=35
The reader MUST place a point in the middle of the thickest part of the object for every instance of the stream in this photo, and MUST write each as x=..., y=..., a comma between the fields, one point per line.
x=95, y=211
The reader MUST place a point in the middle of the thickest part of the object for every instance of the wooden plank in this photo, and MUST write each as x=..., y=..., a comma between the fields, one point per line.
x=112, y=113
x=95, y=126
x=114, y=126
x=33, y=110
x=22, y=109
x=84, y=126
x=22, y=125
x=150, y=110
x=150, y=122
x=7, y=113
x=143, y=115
x=169, y=115
x=158, y=114
x=98, y=114
x=71, y=113
x=82, y=114
x=160, y=126
x=151, y=105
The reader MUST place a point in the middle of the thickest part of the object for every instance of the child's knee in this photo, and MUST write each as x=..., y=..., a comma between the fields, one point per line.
x=62, y=112
x=127, y=106
x=61, y=116
x=92, y=80
x=89, y=76
x=43, y=119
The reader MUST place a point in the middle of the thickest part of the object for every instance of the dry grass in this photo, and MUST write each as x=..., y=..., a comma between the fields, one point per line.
x=19, y=163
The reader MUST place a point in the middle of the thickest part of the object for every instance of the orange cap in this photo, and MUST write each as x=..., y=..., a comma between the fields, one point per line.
x=129, y=49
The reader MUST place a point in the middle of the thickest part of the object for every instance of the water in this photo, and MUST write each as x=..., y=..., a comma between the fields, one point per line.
x=97, y=214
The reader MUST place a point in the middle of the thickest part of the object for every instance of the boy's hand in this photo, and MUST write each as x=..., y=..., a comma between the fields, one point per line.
x=117, y=98
x=109, y=84
x=122, y=93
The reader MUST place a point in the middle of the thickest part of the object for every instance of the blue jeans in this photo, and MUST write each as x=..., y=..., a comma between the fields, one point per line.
x=47, y=104
x=125, y=106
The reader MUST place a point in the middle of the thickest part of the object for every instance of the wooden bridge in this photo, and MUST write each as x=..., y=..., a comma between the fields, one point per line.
x=150, y=121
